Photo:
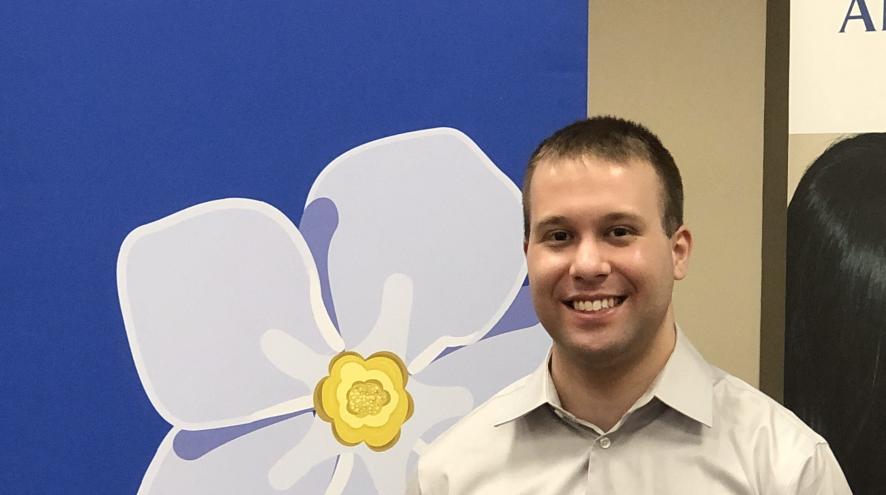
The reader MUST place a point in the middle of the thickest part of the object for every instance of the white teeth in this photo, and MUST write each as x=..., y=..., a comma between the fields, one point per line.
x=595, y=305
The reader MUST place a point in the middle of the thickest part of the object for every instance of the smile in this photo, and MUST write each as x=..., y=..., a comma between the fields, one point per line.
x=595, y=305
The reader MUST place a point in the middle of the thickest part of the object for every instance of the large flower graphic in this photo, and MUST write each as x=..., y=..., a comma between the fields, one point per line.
x=322, y=358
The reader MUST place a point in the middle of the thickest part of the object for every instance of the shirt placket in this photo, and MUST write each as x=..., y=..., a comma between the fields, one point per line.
x=598, y=456
x=598, y=453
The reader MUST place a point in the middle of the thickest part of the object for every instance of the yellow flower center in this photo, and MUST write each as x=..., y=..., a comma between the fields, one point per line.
x=365, y=399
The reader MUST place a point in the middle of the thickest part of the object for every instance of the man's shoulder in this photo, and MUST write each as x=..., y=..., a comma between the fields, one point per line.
x=789, y=456
x=753, y=415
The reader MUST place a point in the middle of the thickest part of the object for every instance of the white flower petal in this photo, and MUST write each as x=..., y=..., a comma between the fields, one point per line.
x=239, y=466
x=360, y=482
x=198, y=289
x=391, y=330
x=318, y=444
x=388, y=471
x=491, y=364
x=293, y=357
x=342, y=475
x=429, y=205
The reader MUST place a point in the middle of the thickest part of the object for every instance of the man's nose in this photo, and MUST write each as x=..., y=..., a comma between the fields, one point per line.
x=590, y=261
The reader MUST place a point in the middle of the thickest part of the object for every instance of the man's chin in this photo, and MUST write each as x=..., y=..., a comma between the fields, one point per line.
x=595, y=354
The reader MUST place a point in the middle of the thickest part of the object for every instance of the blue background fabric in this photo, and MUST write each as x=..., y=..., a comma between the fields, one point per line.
x=115, y=114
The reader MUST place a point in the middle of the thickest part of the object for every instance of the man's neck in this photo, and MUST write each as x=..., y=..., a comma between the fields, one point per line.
x=601, y=395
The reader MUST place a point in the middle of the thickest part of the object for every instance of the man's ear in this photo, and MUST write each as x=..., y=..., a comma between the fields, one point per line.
x=525, y=246
x=681, y=248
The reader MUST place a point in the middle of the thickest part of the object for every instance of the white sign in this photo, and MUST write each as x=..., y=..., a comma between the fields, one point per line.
x=837, y=66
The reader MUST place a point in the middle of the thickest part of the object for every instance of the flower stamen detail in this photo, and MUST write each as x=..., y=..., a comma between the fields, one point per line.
x=365, y=400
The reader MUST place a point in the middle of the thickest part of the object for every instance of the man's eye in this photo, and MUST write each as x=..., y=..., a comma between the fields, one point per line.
x=559, y=236
x=620, y=232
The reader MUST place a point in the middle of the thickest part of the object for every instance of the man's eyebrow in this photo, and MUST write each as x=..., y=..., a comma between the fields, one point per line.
x=622, y=216
x=551, y=221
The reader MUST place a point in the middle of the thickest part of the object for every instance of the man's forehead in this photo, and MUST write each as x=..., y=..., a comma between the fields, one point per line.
x=557, y=169
x=562, y=169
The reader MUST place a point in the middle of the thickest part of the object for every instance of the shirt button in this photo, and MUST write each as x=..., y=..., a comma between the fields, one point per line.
x=605, y=443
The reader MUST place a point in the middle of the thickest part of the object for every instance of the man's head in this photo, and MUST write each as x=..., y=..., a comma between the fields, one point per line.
x=615, y=139
x=602, y=249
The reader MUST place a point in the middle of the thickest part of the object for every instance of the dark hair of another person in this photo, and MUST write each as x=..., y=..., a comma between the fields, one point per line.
x=835, y=335
x=618, y=140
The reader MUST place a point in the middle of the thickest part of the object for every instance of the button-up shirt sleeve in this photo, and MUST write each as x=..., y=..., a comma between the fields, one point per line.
x=821, y=475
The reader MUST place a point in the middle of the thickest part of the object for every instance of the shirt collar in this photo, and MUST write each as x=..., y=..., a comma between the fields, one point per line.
x=685, y=384
x=527, y=395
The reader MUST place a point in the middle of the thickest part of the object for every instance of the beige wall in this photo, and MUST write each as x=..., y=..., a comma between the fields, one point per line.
x=693, y=71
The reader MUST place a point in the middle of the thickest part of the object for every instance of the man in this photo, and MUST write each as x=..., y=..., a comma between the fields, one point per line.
x=623, y=404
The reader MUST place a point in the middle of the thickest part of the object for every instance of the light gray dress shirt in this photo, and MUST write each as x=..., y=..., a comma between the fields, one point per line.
x=697, y=430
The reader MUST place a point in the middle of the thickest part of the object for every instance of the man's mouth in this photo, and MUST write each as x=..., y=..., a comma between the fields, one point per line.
x=595, y=305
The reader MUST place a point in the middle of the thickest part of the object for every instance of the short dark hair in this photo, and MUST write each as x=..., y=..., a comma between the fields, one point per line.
x=835, y=328
x=616, y=139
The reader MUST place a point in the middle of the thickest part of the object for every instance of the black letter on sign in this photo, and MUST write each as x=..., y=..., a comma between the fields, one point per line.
x=863, y=14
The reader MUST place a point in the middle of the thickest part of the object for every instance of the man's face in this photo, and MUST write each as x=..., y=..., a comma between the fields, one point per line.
x=601, y=267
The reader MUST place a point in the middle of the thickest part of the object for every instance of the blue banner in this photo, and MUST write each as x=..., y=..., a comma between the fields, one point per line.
x=118, y=115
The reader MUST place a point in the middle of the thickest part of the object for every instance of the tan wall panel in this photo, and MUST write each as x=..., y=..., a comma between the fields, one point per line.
x=693, y=72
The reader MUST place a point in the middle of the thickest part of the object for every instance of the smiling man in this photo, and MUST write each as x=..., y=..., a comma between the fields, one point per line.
x=623, y=404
